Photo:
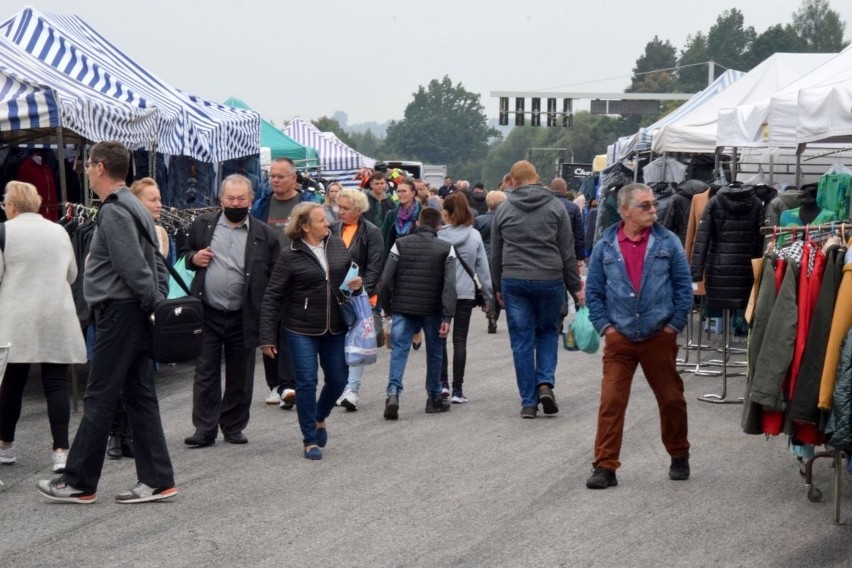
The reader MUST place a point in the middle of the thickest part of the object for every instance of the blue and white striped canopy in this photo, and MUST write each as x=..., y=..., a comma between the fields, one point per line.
x=34, y=95
x=334, y=155
x=187, y=125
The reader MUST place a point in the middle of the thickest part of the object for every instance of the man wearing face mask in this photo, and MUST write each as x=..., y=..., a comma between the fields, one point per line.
x=233, y=255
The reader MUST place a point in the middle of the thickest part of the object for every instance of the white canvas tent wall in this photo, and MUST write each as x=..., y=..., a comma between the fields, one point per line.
x=772, y=122
x=696, y=131
x=641, y=141
x=825, y=114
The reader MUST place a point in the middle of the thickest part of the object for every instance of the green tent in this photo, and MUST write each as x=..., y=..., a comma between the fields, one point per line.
x=281, y=145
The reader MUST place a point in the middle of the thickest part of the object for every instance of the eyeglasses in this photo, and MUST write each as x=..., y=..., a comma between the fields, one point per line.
x=645, y=205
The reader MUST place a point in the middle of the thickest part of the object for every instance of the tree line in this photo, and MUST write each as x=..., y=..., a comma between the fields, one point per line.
x=447, y=124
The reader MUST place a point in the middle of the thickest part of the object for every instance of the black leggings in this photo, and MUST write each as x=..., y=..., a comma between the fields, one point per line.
x=461, y=325
x=54, y=380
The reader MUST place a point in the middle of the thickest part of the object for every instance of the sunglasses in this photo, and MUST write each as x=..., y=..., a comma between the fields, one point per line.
x=645, y=205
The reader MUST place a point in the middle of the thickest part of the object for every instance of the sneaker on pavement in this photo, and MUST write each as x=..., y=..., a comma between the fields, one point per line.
x=143, y=494
x=601, y=479
x=7, y=455
x=348, y=400
x=445, y=390
x=492, y=325
x=679, y=470
x=529, y=412
x=458, y=397
x=273, y=397
x=58, y=490
x=288, y=399
x=547, y=399
x=436, y=405
x=392, y=407
x=59, y=459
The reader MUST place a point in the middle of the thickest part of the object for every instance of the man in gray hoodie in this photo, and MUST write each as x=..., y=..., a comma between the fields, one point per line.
x=533, y=263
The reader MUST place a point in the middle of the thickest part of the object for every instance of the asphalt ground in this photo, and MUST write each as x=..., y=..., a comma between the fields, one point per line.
x=477, y=486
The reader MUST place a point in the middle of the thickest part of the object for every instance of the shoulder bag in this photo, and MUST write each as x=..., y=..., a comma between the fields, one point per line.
x=176, y=323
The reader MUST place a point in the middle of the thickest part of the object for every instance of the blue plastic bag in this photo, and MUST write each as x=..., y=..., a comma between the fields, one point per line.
x=175, y=290
x=361, y=346
x=585, y=336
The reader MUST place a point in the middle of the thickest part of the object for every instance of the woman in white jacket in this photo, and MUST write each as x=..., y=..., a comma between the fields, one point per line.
x=470, y=251
x=39, y=320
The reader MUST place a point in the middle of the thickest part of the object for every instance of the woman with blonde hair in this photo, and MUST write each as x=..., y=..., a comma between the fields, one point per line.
x=303, y=291
x=39, y=319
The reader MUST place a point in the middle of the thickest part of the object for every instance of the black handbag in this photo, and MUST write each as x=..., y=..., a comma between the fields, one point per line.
x=176, y=323
x=478, y=298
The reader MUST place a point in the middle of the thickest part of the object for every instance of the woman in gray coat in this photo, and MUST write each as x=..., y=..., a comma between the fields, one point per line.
x=39, y=320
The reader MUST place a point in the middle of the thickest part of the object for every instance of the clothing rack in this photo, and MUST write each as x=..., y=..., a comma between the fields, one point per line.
x=726, y=353
x=833, y=227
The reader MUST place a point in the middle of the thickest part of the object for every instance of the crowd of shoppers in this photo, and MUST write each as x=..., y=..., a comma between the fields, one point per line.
x=277, y=280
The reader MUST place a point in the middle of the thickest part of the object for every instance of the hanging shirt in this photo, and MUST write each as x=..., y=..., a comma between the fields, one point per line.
x=834, y=192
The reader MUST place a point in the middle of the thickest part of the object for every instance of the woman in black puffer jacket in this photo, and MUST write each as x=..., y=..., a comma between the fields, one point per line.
x=304, y=291
x=728, y=238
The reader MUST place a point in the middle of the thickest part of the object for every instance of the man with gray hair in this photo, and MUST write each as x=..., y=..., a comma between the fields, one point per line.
x=124, y=279
x=639, y=293
x=233, y=256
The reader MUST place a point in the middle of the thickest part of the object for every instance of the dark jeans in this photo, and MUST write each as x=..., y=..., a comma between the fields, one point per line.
x=54, y=381
x=210, y=408
x=279, y=371
x=121, y=366
x=461, y=326
x=306, y=349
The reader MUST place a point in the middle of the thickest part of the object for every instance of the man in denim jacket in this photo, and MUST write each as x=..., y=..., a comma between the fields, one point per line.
x=639, y=293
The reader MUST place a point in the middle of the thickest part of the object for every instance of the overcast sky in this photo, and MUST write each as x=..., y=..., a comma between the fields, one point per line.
x=368, y=57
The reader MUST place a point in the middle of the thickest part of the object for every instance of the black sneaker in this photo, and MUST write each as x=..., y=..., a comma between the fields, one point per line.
x=437, y=404
x=547, y=399
x=492, y=325
x=392, y=407
x=601, y=479
x=679, y=470
x=529, y=412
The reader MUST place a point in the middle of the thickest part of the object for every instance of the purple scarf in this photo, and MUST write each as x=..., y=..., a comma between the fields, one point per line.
x=405, y=218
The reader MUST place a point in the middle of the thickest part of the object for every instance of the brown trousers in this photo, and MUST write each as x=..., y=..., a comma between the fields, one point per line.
x=657, y=356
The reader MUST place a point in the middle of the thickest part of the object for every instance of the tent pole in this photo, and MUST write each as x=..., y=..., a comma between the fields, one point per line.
x=63, y=187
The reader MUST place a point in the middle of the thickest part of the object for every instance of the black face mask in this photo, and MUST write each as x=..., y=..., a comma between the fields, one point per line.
x=235, y=214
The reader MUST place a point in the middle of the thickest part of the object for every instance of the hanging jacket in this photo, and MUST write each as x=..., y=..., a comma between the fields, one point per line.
x=676, y=219
x=803, y=407
x=728, y=237
x=840, y=323
x=663, y=193
x=839, y=428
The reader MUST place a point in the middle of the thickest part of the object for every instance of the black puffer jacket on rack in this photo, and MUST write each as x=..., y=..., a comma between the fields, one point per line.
x=676, y=218
x=728, y=237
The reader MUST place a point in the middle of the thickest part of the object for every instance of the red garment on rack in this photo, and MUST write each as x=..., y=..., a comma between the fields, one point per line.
x=41, y=176
x=809, y=285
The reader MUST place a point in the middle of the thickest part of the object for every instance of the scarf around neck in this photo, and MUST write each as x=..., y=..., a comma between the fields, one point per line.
x=405, y=218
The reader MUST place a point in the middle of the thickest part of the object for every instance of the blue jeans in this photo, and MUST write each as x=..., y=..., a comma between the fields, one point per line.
x=305, y=350
x=532, y=315
x=355, y=375
x=402, y=331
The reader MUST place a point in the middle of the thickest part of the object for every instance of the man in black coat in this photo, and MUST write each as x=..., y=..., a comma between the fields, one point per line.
x=482, y=223
x=233, y=255
x=559, y=187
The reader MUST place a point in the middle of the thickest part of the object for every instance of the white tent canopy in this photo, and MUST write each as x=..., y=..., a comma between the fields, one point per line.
x=642, y=139
x=772, y=121
x=825, y=114
x=696, y=131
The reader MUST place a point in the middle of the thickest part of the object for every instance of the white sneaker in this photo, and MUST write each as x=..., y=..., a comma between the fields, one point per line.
x=59, y=459
x=348, y=400
x=288, y=399
x=273, y=397
x=7, y=455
